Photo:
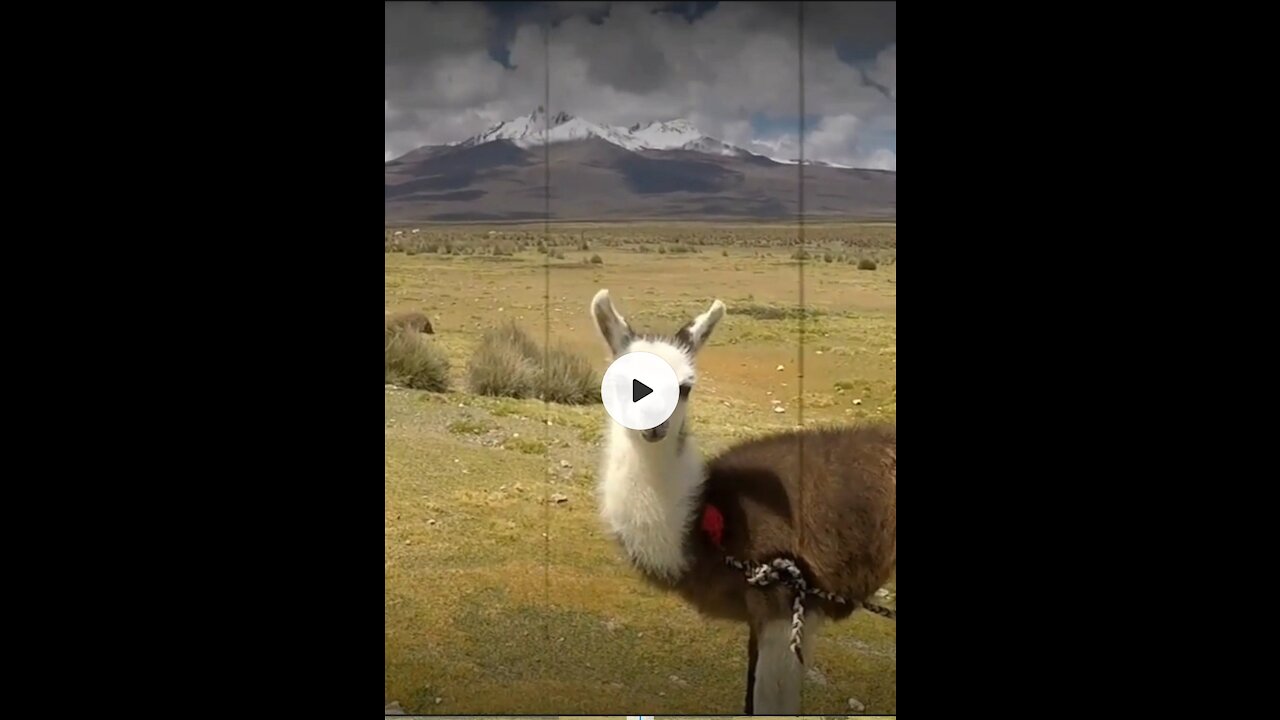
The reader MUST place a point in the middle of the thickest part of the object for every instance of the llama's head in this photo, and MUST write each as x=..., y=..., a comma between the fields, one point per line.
x=678, y=350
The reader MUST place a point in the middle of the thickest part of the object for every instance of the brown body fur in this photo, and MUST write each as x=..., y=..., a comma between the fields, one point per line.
x=842, y=533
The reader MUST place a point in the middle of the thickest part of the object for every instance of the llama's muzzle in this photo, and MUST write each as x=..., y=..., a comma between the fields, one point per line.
x=654, y=434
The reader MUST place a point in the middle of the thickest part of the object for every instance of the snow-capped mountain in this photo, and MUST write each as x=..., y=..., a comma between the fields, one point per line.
x=527, y=131
x=664, y=170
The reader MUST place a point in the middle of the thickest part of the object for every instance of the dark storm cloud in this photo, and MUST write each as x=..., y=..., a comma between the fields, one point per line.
x=862, y=27
x=633, y=64
x=420, y=32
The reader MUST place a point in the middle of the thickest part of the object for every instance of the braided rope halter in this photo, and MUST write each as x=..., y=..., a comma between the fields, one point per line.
x=782, y=571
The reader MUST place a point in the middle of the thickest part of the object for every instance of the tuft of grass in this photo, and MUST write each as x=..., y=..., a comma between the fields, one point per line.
x=568, y=379
x=410, y=359
x=866, y=264
x=597, y=260
x=508, y=363
x=504, y=363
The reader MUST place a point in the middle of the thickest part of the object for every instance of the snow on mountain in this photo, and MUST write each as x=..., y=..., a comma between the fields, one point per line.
x=821, y=163
x=669, y=135
x=527, y=131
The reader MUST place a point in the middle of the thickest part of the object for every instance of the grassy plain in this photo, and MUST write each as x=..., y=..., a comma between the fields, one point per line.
x=500, y=600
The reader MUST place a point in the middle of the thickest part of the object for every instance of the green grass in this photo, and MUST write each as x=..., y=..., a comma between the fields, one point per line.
x=469, y=426
x=527, y=446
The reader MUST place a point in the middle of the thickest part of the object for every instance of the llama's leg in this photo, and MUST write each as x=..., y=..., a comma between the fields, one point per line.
x=778, y=672
x=813, y=623
x=753, y=652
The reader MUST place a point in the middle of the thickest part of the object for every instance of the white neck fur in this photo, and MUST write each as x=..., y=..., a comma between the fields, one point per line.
x=648, y=495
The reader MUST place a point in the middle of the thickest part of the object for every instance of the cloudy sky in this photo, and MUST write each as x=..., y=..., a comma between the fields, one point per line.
x=452, y=69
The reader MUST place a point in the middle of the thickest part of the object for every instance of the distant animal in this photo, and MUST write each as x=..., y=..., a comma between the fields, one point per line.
x=410, y=319
x=780, y=532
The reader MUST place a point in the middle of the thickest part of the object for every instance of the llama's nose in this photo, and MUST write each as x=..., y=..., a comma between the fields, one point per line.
x=655, y=434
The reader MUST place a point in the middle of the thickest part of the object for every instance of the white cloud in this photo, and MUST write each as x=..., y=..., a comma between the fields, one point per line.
x=881, y=159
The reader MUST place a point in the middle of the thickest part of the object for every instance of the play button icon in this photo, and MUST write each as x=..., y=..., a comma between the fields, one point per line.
x=640, y=390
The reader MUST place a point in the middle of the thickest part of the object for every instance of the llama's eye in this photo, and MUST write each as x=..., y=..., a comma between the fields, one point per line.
x=684, y=391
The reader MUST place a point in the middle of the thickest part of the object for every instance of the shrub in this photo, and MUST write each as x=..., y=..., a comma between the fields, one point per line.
x=866, y=264
x=568, y=379
x=500, y=370
x=410, y=359
x=508, y=363
x=597, y=260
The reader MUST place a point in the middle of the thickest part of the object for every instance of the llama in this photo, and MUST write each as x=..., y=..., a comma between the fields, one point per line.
x=693, y=527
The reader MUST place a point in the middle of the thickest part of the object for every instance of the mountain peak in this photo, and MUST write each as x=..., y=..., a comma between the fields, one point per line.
x=533, y=129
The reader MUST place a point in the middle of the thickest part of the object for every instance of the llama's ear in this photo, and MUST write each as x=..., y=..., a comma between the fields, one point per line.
x=612, y=326
x=695, y=334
